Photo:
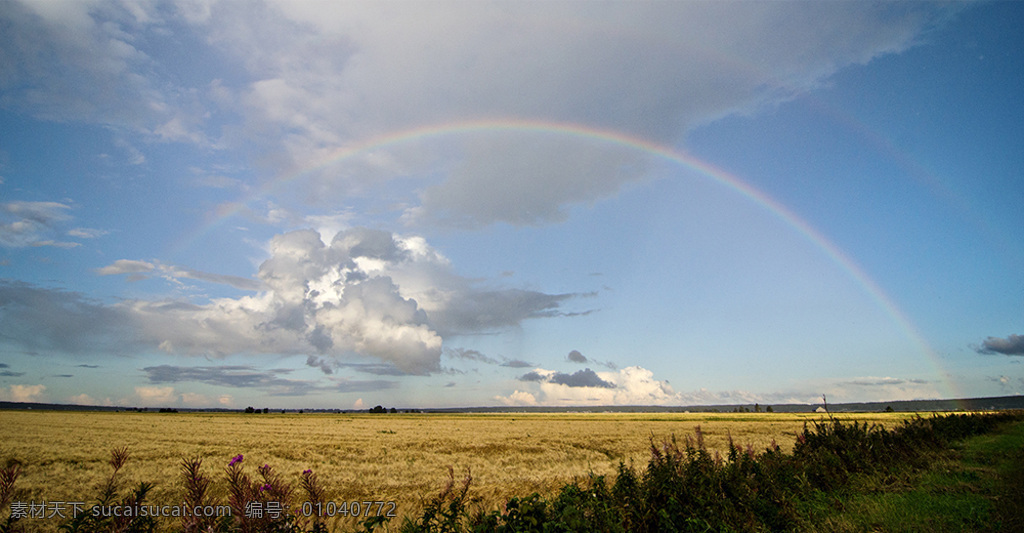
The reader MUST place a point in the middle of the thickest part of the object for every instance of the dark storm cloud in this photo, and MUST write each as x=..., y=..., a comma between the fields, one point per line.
x=43, y=319
x=319, y=362
x=1012, y=345
x=576, y=357
x=581, y=378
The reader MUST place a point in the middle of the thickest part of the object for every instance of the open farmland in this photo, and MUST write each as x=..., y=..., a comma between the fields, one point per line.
x=395, y=457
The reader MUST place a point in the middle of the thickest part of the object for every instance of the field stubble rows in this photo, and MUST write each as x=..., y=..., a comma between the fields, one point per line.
x=394, y=457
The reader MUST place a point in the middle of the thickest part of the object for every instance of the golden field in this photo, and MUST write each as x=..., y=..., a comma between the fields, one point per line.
x=377, y=457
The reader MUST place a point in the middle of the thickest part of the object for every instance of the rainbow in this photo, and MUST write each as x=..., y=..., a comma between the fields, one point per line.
x=612, y=137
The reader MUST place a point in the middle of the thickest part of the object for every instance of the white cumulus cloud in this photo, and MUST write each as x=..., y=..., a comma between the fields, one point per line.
x=23, y=393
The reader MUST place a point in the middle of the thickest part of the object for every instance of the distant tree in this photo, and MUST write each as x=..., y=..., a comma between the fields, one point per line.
x=757, y=408
x=393, y=410
x=769, y=409
x=378, y=409
x=250, y=409
x=888, y=409
x=266, y=410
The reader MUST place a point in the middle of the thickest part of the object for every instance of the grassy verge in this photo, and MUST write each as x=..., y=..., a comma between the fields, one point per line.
x=976, y=485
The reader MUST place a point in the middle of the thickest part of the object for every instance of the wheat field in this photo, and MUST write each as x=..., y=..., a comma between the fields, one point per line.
x=402, y=458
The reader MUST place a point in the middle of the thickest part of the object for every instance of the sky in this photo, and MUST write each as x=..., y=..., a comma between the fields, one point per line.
x=311, y=204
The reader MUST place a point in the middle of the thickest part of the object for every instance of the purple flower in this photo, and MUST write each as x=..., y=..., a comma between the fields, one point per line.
x=235, y=460
x=266, y=486
x=307, y=472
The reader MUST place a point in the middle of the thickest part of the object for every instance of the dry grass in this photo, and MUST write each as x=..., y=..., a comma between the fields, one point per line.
x=390, y=457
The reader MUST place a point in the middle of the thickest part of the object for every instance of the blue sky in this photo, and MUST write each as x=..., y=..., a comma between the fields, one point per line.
x=317, y=204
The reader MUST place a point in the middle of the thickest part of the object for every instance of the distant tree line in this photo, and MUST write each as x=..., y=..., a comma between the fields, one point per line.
x=382, y=409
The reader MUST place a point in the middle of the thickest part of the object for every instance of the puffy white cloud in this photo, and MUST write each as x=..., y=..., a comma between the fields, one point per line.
x=368, y=293
x=633, y=385
x=23, y=393
x=156, y=395
x=82, y=399
x=518, y=397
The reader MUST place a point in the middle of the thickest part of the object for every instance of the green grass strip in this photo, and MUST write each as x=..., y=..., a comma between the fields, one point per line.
x=977, y=486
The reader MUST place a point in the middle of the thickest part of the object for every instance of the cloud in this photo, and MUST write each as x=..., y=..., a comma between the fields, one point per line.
x=81, y=61
x=241, y=376
x=86, y=233
x=137, y=270
x=319, y=362
x=351, y=385
x=23, y=393
x=231, y=376
x=377, y=369
x=536, y=375
x=42, y=319
x=470, y=310
x=156, y=395
x=873, y=388
x=516, y=363
x=518, y=397
x=665, y=68
x=470, y=355
x=125, y=266
x=366, y=294
x=576, y=357
x=1012, y=345
x=883, y=382
x=82, y=399
x=31, y=222
x=297, y=81
x=628, y=386
x=580, y=378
